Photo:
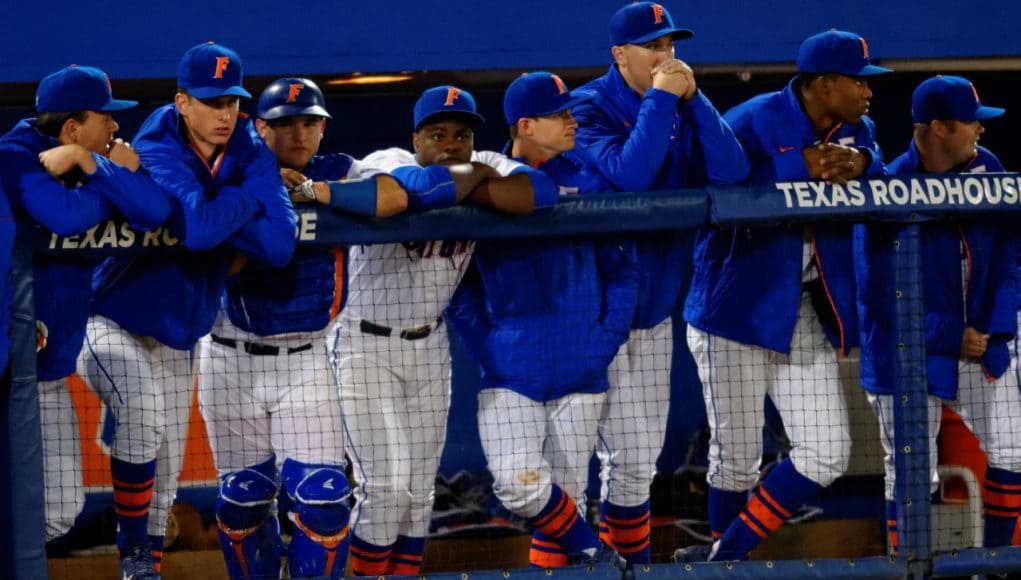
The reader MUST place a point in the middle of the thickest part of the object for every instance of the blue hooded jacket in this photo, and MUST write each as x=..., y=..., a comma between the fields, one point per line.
x=748, y=281
x=62, y=285
x=545, y=317
x=237, y=202
x=656, y=142
x=981, y=294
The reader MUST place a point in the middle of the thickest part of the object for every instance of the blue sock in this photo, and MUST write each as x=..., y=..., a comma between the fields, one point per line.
x=156, y=543
x=628, y=529
x=1002, y=495
x=771, y=505
x=724, y=507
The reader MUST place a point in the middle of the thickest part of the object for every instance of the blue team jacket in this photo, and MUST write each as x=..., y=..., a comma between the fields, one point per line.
x=62, y=285
x=6, y=247
x=546, y=317
x=748, y=281
x=304, y=295
x=239, y=199
x=655, y=142
x=989, y=277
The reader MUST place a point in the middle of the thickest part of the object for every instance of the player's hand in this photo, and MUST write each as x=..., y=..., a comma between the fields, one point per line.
x=676, y=77
x=834, y=163
x=292, y=178
x=122, y=154
x=974, y=343
x=59, y=160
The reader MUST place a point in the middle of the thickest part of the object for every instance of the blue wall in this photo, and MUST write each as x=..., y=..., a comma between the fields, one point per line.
x=145, y=39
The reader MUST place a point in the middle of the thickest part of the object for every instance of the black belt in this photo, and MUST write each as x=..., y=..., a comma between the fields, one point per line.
x=256, y=349
x=417, y=333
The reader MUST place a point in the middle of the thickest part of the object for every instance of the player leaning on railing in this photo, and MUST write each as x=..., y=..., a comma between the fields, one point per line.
x=226, y=189
x=266, y=392
x=771, y=309
x=968, y=295
x=648, y=127
x=64, y=171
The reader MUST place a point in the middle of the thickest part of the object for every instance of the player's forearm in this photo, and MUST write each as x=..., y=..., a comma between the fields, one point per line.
x=512, y=194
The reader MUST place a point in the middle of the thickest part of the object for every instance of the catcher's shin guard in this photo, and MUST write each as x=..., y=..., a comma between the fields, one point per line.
x=249, y=533
x=320, y=513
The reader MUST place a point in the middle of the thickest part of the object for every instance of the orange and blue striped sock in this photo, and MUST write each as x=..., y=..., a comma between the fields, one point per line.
x=770, y=506
x=628, y=529
x=560, y=521
x=546, y=553
x=1002, y=496
x=406, y=556
x=368, y=559
x=724, y=507
x=156, y=543
x=132, y=493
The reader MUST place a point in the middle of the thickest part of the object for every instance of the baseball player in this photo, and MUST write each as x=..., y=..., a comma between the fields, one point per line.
x=265, y=390
x=545, y=345
x=391, y=352
x=228, y=196
x=968, y=293
x=648, y=127
x=65, y=171
x=768, y=306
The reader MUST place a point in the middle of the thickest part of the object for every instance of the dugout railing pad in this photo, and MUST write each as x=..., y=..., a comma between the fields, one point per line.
x=902, y=201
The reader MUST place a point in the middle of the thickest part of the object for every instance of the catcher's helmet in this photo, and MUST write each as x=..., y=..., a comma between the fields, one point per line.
x=291, y=96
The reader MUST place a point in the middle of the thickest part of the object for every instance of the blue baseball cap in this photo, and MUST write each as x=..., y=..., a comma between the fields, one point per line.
x=446, y=101
x=949, y=98
x=837, y=51
x=642, y=22
x=210, y=70
x=538, y=94
x=78, y=88
x=289, y=97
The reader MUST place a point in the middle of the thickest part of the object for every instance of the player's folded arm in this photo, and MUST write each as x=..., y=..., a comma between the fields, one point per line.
x=522, y=192
x=430, y=187
x=62, y=210
x=631, y=160
x=135, y=195
x=200, y=223
x=269, y=236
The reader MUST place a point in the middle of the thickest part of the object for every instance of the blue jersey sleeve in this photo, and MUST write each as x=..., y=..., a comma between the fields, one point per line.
x=199, y=222
x=135, y=195
x=269, y=237
x=62, y=210
x=629, y=159
x=876, y=167
x=725, y=158
x=429, y=187
x=544, y=190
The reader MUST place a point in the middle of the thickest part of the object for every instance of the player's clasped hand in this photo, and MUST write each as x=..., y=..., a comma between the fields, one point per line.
x=834, y=163
x=122, y=154
x=676, y=77
x=974, y=343
x=59, y=160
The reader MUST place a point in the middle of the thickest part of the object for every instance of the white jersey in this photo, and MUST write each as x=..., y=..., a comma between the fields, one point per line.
x=410, y=284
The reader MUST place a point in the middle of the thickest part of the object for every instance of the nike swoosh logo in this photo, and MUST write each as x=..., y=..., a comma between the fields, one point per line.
x=786, y=149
